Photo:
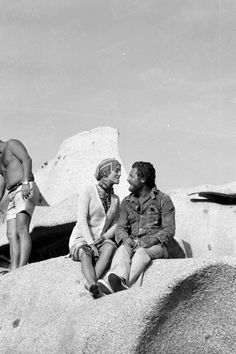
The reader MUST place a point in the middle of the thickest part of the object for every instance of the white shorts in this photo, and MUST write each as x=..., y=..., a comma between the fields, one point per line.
x=17, y=204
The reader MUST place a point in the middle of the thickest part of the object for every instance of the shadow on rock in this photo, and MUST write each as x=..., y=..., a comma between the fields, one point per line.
x=196, y=317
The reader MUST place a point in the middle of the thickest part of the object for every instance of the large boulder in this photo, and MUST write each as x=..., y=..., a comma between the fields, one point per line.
x=184, y=306
x=74, y=166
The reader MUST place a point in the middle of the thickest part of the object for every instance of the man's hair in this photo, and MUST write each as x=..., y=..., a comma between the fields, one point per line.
x=147, y=171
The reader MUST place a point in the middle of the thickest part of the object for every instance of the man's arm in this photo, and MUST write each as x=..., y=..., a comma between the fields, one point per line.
x=20, y=152
x=122, y=235
x=167, y=230
x=2, y=186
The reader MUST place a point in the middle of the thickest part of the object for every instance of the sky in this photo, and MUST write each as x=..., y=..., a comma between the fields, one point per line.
x=162, y=72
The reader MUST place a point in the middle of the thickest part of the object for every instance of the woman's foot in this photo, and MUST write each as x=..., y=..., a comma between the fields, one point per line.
x=94, y=291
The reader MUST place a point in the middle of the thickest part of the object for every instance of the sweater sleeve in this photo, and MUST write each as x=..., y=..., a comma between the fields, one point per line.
x=81, y=233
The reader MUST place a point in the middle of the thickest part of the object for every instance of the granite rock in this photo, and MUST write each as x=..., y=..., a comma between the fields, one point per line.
x=183, y=306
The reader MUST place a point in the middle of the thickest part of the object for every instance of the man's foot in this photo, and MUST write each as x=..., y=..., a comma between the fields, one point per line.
x=116, y=283
x=94, y=291
x=104, y=287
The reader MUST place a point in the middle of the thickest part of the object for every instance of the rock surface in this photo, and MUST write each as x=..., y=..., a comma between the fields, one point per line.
x=184, y=306
x=205, y=228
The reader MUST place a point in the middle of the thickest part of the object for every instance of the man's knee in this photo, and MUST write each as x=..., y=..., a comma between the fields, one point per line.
x=141, y=253
x=125, y=249
x=109, y=247
x=157, y=252
x=22, y=230
x=11, y=235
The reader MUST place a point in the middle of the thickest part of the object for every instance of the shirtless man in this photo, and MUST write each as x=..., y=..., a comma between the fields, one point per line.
x=16, y=175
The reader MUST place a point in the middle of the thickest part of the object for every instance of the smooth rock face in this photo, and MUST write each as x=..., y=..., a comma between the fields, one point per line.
x=74, y=166
x=205, y=228
x=183, y=306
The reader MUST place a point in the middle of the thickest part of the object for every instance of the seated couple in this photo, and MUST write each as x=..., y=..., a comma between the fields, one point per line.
x=125, y=237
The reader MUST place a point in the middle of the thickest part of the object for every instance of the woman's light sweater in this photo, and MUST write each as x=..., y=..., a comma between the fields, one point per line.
x=92, y=221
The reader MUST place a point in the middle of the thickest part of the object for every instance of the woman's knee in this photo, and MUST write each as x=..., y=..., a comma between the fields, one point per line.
x=142, y=253
x=85, y=254
x=108, y=248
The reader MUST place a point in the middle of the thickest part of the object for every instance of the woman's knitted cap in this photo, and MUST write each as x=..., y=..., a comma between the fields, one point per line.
x=105, y=167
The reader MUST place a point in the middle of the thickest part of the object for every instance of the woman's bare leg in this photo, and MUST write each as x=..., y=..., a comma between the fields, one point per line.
x=88, y=268
x=106, y=254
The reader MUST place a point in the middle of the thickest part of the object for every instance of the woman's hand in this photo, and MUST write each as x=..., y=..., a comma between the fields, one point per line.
x=100, y=240
x=95, y=251
x=90, y=250
x=74, y=252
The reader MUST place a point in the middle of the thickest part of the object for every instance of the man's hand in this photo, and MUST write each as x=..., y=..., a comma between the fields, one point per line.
x=25, y=191
x=147, y=241
x=128, y=241
x=2, y=185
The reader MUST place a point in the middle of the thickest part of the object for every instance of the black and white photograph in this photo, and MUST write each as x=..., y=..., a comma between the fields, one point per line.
x=117, y=176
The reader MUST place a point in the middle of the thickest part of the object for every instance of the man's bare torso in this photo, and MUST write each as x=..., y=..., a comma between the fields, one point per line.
x=11, y=166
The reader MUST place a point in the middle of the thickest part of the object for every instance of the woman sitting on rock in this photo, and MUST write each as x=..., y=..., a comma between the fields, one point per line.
x=91, y=241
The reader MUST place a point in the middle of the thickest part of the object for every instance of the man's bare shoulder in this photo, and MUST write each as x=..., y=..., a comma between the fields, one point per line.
x=14, y=143
x=15, y=146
